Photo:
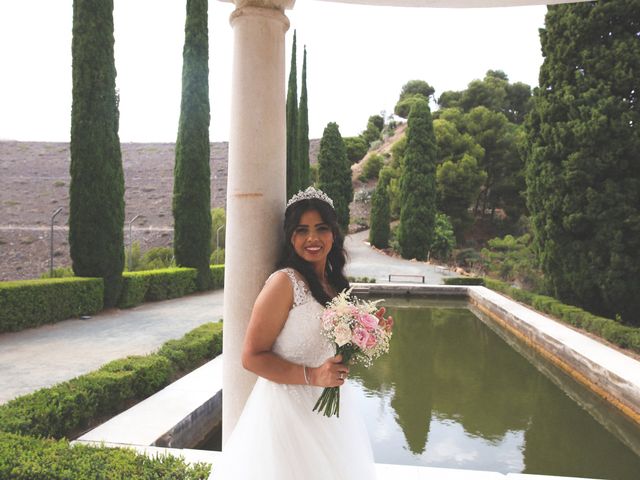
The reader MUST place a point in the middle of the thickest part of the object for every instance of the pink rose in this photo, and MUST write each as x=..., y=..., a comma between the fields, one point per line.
x=371, y=341
x=360, y=337
x=368, y=321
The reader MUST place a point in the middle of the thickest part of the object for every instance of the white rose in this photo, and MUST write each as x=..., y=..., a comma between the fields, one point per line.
x=343, y=334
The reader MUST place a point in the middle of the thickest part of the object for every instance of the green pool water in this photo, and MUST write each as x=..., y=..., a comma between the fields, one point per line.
x=453, y=393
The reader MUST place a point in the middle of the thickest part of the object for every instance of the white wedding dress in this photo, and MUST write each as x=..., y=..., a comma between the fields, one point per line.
x=278, y=436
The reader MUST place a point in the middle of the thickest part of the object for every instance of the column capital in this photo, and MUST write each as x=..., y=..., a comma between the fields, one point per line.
x=281, y=5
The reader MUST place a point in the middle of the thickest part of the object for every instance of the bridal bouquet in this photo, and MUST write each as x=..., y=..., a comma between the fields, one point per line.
x=361, y=334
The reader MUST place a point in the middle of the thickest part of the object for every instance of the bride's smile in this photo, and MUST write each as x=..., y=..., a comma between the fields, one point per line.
x=312, y=239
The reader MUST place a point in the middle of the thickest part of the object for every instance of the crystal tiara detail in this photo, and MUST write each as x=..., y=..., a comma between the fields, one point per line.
x=308, y=194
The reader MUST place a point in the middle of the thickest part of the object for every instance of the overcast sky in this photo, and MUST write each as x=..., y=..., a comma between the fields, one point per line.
x=358, y=59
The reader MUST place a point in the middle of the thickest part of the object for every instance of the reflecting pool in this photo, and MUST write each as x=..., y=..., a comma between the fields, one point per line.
x=453, y=393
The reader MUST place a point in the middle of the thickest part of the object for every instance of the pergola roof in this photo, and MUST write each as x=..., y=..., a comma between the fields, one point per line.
x=454, y=3
x=288, y=4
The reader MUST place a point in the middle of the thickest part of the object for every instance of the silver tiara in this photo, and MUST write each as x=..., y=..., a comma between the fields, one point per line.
x=308, y=194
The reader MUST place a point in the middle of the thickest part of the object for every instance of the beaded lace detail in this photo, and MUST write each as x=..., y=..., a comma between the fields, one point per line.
x=301, y=340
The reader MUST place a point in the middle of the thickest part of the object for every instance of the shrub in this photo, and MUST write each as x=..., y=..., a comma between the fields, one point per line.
x=70, y=407
x=464, y=281
x=361, y=279
x=188, y=352
x=153, y=285
x=372, y=166
x=29, y=303
x=60, y=272
x=156, y=258
x=444, y=240
x=356, y=148
x=28, y=458
x=217, y=272
x=217, y=257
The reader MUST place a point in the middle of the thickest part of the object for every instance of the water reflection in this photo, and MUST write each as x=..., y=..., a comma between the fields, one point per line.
x=452, y=393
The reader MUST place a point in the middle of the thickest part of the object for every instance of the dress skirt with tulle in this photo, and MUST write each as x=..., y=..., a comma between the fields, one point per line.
x=278, y=436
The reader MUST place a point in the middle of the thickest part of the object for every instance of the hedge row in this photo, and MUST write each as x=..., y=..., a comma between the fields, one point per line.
x=29, y=303
x=153, y=285
x=162, y=284
x=610, y=330
x=29, y=458
x=464, y=281
x=71, y=407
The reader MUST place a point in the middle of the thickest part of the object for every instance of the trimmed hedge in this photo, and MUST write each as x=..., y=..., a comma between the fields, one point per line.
x=162, y=284
x=464, y=281
x=70, y=407
x=217, y=272
x=610, y=330
x=154, y=285
x=28, y=458
x=30, y=303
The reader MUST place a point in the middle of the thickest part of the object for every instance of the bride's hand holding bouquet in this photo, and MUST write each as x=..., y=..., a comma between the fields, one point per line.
x=360, y=333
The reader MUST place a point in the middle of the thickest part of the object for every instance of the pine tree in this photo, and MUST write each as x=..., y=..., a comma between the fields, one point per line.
x=335, y=172
x=192, y=173
x=418, y=185
x=303, y=130
x=293, y=173
x=380, y=217
x=96, y=218
x=583, y=173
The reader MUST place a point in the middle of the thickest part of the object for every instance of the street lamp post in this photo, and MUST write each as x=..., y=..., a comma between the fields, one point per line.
x=131, y=241
x=51, y=242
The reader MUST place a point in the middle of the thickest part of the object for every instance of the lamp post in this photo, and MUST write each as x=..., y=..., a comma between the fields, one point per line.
x=218, y=243
x=131, y=240
x=51, y=242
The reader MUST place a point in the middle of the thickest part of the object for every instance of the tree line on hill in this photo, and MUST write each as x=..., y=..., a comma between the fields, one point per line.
x=559, y=164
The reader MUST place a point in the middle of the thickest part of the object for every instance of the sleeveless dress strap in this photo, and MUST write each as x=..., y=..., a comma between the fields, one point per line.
x=300, y=289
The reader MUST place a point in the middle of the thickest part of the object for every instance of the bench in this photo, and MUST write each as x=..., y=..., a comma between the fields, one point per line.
x=410, y=278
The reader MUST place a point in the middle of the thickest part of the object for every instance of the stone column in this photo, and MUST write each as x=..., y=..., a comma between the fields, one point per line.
x=256, y=187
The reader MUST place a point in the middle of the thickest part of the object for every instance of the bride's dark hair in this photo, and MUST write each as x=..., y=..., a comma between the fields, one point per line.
x=336, y=258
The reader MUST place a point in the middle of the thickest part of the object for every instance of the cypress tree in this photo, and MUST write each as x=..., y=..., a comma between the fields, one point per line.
x=303, y=129
x=583, y=172
x=192, y=174
x=380, y=212
x=335, y=172
x=293, y=173
x=418, y=184
x=96, y=194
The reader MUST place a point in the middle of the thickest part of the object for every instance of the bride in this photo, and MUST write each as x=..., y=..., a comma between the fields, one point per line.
x=278, y=436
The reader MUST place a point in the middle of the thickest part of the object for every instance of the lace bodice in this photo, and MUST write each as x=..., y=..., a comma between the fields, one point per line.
x=301, y=340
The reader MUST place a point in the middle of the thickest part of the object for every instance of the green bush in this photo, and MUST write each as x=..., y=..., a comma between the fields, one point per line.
x=69, y=408
x=356, y=148
x=217, y=257
x=153, y=285
x=372, y=166
x=28, y=458
x=361, y=279
x=187, y=353
x=60, y=272
x=610, y=330
x=217, y=272
x=464, y=281
x=29, y=303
